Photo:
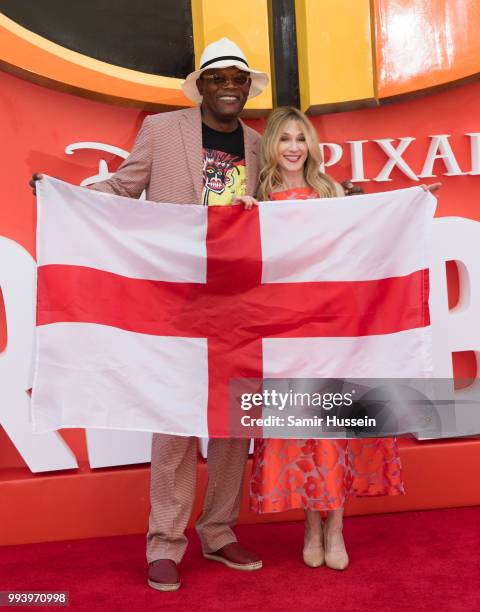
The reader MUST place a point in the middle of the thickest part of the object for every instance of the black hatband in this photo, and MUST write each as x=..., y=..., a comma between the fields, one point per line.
x=224, y=57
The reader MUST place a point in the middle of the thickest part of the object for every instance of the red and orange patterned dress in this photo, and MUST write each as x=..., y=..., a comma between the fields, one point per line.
x=321, y=474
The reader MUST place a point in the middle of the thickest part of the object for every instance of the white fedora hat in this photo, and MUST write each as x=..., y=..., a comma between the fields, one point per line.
x=223, y=53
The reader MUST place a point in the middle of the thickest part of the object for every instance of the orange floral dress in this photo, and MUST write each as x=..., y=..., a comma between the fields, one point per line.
x=321, y=474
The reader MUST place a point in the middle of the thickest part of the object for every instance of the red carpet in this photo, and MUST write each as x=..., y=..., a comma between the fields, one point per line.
x=410, y=561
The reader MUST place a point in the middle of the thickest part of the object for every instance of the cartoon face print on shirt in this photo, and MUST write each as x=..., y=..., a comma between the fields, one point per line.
x=223, y=177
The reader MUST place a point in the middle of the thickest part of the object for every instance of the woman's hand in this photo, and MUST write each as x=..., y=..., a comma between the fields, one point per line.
x=432, y=187
x=247, y=201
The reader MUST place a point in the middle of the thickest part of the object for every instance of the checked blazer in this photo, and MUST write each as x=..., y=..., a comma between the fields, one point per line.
x=166, y=160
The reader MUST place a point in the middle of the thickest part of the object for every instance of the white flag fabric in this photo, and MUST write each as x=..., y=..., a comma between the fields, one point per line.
x=146, y=311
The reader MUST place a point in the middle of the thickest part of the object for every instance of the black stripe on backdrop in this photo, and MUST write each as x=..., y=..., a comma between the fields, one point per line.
x=283, y=50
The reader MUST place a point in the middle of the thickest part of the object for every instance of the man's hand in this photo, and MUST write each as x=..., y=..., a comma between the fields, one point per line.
x=247, y=201
x=35, y=177
x=351, y=189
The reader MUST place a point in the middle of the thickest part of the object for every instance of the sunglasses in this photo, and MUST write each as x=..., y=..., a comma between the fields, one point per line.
x=220, y=80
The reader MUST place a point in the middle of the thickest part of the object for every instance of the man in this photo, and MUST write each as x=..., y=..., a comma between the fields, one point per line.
x=202, y=155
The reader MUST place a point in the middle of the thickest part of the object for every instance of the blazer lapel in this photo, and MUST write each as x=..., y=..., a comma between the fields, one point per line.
x=251, y=161
x=191, y=130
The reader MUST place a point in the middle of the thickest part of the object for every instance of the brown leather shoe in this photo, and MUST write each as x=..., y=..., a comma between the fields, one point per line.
x=236, y=556
x=163, y=575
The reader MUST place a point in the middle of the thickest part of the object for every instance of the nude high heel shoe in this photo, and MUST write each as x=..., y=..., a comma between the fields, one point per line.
x=313, y=551
x=335, y=559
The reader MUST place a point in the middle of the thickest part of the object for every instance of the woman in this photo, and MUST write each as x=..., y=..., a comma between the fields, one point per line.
x=316, y=475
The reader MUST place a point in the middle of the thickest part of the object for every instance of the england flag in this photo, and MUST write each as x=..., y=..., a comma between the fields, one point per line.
x=147, y=311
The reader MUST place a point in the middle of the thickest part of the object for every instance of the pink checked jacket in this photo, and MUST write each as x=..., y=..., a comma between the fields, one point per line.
x=167, y=160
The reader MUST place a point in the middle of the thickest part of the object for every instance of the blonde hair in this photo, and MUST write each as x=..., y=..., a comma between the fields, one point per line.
x=269, y=177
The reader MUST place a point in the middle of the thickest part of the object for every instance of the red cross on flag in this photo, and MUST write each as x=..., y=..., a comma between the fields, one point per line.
x=146, y=312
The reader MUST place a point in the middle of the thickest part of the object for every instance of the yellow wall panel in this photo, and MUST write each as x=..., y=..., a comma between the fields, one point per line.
x=246, y=23
x=335, y=56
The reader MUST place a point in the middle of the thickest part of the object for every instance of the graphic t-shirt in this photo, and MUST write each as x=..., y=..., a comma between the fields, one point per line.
x=224, y=175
